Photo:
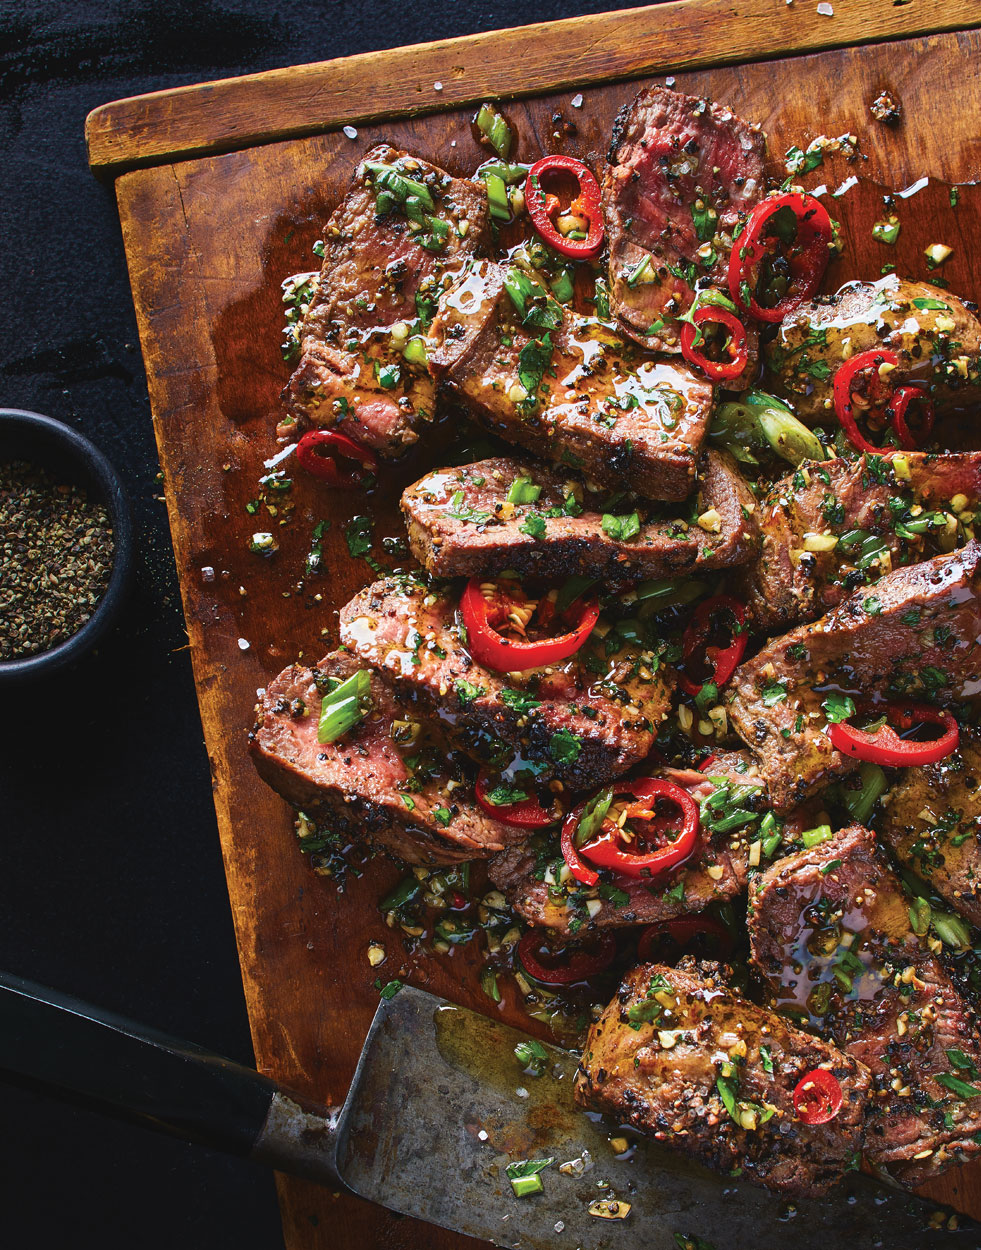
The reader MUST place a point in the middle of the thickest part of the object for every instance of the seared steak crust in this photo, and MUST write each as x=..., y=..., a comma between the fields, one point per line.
x=670, y=154
x=932, y=821
x=352, y=373
x=915, y=635
x=461, y=524
x=591, y=723
x=363, y=781
x=596, y=403
x=788, y=582
x=830, y=931
x=661, y=1075
x=936, y=336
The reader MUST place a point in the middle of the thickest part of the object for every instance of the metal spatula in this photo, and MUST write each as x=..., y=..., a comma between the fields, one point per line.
x=438, y=1109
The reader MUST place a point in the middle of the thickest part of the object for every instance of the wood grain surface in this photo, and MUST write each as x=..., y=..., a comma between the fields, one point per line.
x=548, y=56
x=208, y=242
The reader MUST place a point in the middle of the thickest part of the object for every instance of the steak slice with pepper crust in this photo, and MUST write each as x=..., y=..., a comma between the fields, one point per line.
x=461, y=523
x=915, y=635
x=583, y=720
x=936, y=336
x=379, y=273
x=683, y=173
x=830, y=931
x=568, y=388
x=932, y=822
x=676, y=1045
x=832, y=527
x=536, y=883
x=412, y=797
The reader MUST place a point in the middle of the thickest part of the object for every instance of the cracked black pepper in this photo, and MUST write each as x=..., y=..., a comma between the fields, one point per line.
x=56, y=552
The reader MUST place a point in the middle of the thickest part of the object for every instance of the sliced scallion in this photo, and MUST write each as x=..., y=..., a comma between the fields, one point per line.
x=492, y=125
x=340, y=710
x=523, y=490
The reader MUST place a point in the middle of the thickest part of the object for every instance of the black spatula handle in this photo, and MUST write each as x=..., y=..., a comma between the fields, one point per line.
x=72, y=1049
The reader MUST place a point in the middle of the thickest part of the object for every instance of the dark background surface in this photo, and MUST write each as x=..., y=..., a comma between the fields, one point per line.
x=111, y=883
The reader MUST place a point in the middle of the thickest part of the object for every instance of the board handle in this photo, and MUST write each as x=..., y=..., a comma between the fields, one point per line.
x=80, y=1052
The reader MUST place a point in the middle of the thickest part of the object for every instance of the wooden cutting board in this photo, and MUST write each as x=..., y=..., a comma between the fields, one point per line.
x=222, y=190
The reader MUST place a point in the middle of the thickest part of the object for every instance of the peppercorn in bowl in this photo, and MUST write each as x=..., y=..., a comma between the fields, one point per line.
x=65, y=544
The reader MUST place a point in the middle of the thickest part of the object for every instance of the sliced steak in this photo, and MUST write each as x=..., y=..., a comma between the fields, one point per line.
x=576, y=394
x=380, y=272
x=461, y=524
x=936, y=336
x=594, y=716
x=682, y=174
x=672, y=1040
x=830, y=931
x=866, y=504
x=536, y=883
x=414, y=798
x=915, y=635
x=932, y=821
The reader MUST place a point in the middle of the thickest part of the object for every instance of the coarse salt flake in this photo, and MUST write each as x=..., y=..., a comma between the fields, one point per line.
x=576, y=101
x=243, y=644
x=437, y=86
x=825, y=9
x=207, y=573
x=350, y=132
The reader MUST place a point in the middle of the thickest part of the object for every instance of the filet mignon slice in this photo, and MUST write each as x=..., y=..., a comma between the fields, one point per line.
x=577, y=393
x=865, y=504
x=916, y=635
x=830, y=932
x=352, y=373
x=936, y=336
x=674, y=161
x=461, y=524
x=414, y=800
x=536, y=883
x=932, y=822
x=673, y=1038
x=596, y=714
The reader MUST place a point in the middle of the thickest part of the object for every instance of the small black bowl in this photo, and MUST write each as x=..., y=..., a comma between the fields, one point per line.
x=66, y=454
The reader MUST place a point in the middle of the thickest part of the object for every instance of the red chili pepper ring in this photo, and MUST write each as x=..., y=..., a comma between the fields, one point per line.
x=884, y=745
x=318, y=452
x=481, y=613
x=791, y=234
x=574, y=966
x=525, y=813
x=736, y=347
x=723, y=660
x=586, y=204
x=817, y=1097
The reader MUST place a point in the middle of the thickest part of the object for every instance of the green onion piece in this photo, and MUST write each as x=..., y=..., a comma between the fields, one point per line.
x=771, y=843
x=497, y=196
x=602, y=298
x=388, y=178
x=667, y=592
x=919, y=916
x=403, y=893
x=591, y=820
x=951, y=930
x=861, y=802
x=886, y=230
x=414, y=350
x=488, y=983
x=491, y=124
x=511, y=174
x=523, y=490
x=814, y=837
x=340, y=710
x=563, y=287
x=639, y=273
